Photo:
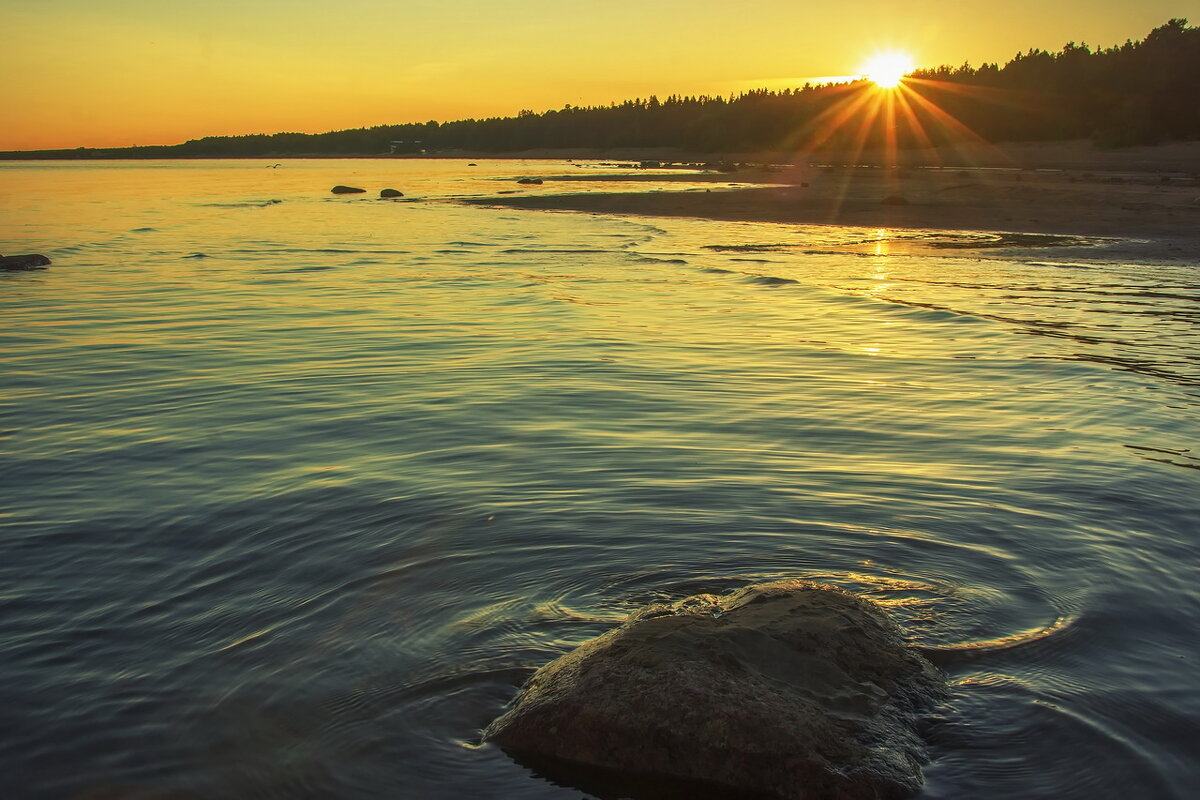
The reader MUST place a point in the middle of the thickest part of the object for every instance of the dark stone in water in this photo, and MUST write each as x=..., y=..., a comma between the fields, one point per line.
x=339, y=189
x=790, y=689
x=31, y=261
x=390, y=193
x=537, y=181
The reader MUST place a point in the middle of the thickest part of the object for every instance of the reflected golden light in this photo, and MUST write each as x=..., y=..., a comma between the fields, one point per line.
x=881, y=246
x=879, y=266
x=887, y=70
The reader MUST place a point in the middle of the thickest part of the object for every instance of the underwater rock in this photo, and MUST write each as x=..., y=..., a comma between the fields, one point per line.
x=30, y=261
x=790, y=689
x=537, y=181
x=339, y=189
x=390, y=193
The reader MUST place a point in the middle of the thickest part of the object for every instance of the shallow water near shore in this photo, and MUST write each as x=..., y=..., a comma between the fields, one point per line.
x=298, y=489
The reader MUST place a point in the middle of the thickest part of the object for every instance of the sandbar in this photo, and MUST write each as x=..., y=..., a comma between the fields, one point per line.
x=1142, y=202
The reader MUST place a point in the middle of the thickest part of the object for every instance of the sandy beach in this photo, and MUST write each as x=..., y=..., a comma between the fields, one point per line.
x=1149, y=195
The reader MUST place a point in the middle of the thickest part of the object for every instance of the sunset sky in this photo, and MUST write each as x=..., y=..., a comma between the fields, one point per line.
x=124, y=72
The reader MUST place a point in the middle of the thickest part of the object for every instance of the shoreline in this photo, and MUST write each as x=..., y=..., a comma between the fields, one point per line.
x=1141, y=203
x=1142, y=208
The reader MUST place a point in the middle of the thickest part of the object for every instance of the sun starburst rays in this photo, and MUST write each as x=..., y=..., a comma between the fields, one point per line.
x=868, y=114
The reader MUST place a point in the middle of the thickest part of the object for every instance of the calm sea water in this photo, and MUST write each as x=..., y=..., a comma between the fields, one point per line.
x=298, y=489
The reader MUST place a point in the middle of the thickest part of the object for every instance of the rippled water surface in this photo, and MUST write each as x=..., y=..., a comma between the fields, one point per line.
x=297, y=489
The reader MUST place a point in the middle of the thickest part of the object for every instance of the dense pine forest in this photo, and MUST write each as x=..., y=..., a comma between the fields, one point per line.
x=1142, y=92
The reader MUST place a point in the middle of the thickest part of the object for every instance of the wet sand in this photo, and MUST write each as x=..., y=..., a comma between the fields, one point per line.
x=1148, y=195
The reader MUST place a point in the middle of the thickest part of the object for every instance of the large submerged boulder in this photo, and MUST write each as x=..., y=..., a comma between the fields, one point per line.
x=790, y=689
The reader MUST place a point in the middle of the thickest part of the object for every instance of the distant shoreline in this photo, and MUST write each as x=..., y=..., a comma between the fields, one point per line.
x=1079, y=154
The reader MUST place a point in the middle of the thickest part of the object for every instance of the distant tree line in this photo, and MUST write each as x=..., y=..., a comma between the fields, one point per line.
x=1137, y=93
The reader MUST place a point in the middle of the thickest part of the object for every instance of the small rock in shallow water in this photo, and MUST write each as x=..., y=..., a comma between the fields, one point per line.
x=30, y=261
x=339, y=189
x=390, y=193
x=531, y=181
x=790, y=689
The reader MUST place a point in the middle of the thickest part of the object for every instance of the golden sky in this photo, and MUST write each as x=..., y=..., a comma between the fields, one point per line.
x=123, y=72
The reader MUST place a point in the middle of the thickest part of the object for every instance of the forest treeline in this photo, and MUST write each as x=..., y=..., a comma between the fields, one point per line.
x=1141, y=92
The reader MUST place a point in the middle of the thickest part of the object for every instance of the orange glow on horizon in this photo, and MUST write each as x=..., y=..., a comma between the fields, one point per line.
x=126, y=72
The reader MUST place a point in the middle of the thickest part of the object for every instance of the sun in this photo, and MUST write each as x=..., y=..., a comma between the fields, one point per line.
x=887, y=70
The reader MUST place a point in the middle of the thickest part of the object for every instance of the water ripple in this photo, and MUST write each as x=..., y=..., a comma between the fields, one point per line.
x=297, y=518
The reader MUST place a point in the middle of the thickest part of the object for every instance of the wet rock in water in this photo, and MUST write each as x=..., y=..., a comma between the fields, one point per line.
x=894, y=200
x=537, y=181
x=339, y=189
x=390, y=193
x=30, y=261
x=790, y=689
